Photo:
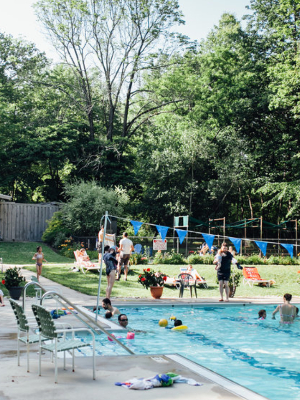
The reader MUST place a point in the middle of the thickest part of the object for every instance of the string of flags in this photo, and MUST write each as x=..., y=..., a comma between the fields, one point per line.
x=209, y=239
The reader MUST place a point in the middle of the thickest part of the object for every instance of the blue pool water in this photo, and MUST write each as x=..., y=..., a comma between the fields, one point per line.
x=263, y=356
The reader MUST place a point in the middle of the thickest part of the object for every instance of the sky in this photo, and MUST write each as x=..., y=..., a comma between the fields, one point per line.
x=18, y=19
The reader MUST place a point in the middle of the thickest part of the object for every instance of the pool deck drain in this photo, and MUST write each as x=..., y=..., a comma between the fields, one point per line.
x=17, y=384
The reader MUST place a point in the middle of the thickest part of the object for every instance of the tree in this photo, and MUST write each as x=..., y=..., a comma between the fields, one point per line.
x=86, y=204
x=20, y=63
x=119, y=38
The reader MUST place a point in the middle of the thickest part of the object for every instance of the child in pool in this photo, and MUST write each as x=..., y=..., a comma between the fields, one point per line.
x=262, y=314
x=177, y=322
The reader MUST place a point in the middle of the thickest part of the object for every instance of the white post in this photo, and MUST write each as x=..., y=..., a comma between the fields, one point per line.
x=101, y=262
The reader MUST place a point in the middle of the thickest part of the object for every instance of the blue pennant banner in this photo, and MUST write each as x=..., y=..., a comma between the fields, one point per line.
x=236, y=242
x=181, y=234
x=162, y=230
x=136, y=226
x=209, y=239
x=289, y=248
x=262, y=246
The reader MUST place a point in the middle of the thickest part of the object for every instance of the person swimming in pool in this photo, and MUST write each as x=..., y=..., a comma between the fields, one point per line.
x=177, y=322
x=286, y=310
x=262, y=314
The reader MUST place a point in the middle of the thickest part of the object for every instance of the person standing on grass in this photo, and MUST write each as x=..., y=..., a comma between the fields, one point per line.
x=125, y=248
x=39, y=257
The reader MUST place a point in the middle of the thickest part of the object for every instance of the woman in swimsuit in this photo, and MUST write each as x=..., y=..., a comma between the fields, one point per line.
x=39, y=257
x=286, y=310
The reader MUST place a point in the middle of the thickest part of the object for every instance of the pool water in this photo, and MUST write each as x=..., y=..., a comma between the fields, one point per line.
x=263, y=356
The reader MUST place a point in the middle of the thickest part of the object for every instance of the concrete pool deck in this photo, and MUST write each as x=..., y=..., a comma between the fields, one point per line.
x=17, y=384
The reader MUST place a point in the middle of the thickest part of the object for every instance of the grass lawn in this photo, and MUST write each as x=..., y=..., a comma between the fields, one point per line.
x=59, y=271
x=21, y=253
x=285, y=277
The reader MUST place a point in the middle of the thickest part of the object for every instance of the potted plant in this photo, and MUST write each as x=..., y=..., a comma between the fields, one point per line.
x=14, y=282
x=153, y=280
x=234, y=281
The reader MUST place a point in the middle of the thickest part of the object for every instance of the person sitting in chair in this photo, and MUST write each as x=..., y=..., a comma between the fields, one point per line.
x=83, y=255
x=193, y=272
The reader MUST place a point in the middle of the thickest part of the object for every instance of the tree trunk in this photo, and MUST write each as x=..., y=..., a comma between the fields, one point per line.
x=250, y=205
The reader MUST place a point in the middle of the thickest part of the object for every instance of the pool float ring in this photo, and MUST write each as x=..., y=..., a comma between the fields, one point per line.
x=130, y=335
x=179, y=328
x=163, y=323
x=117, y=337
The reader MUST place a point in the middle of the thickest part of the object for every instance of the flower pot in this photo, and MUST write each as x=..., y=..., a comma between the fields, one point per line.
x=156, y=291
x=15, y=292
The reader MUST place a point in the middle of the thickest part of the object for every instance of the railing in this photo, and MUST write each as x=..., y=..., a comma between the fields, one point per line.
x=58, y=297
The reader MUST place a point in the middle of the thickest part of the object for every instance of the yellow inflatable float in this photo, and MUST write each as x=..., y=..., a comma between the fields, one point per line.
x=179, y=328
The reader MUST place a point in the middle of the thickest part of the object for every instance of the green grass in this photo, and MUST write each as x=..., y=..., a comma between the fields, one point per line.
x=59, y=271
x=20, y=253
x=285, y=277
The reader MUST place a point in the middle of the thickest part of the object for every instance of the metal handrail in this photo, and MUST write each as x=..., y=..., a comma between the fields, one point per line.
x=58, y=296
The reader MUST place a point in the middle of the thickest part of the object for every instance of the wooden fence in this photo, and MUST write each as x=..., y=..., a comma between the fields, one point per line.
x=24, y=222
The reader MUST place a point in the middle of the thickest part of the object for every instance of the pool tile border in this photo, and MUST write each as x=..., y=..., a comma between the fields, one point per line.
x=220, y=380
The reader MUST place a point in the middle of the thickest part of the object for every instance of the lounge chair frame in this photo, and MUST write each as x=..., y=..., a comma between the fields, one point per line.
x=248, y=280
x=85, y=265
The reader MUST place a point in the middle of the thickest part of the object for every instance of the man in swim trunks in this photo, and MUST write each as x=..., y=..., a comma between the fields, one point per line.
x=125, y=248
x=106, y=304
x=223, y=272
x=287, y=311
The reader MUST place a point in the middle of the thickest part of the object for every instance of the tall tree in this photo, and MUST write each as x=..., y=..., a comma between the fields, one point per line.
x=120, y=39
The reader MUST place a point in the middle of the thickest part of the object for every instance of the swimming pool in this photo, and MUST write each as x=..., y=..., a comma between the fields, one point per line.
x=260, y=355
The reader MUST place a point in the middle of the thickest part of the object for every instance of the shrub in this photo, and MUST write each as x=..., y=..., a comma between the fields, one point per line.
x=273, y=260
x=55, y=229
x=87, y=203
x=67, y=248
x=169, y=258
x=137, y=259
x=254, y=260
x=60, y=240
x=195, y=259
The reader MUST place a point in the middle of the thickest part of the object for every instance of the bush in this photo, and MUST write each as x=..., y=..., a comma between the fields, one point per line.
x=87, y=203
x=253, y=260
x=137, y=259
x=169, y=258
x=195, y=259
x=56, y=232
x=67, y=247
